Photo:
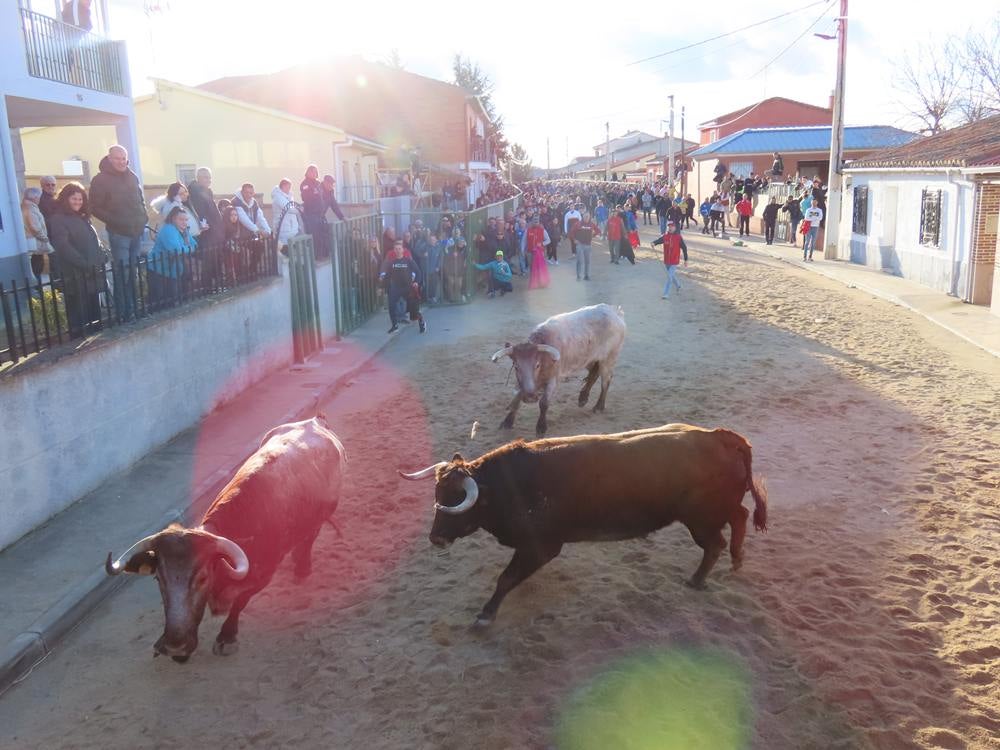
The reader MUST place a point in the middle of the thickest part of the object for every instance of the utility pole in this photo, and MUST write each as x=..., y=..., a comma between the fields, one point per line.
x=670, y=145
x=607, y=151
x=835, y=183
x=684, y=174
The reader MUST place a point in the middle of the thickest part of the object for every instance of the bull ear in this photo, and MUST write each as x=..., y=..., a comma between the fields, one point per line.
x=142, y=563
x=457, y=457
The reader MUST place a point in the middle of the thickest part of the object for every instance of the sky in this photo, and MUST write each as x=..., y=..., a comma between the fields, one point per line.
x=562, y=70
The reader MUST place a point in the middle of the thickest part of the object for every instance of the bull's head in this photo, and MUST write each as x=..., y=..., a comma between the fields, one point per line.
x=189, y=566
x=534, y=365
x=455, y=500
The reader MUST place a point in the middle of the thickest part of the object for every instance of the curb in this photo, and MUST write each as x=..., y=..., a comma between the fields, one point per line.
x=29, y=648
x=887, y=296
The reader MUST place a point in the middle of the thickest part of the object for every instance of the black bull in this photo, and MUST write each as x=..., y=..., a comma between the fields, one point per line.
x=537, y=496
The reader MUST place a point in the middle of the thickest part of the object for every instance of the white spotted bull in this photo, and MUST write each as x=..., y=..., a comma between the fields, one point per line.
x=589, y=338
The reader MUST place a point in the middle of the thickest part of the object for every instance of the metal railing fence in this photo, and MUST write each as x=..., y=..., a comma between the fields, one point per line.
x=448, y=272
x=40, y=314
x=64, y=53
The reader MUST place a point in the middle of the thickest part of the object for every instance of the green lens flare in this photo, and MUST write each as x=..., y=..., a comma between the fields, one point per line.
x=661, y=700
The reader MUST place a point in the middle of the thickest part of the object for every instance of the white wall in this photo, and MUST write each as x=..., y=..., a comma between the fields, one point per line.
x=77, y=421
x=944, y=268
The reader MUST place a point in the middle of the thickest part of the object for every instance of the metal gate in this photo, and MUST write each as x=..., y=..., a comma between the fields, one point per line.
x=307, y=337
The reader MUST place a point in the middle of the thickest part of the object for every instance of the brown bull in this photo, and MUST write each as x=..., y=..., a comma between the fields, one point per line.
x=537, y=496
x=276, y=503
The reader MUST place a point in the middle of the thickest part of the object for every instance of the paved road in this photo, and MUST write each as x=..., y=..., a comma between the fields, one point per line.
x=862, y=619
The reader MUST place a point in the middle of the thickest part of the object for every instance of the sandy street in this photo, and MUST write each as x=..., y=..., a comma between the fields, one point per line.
x=869, y=615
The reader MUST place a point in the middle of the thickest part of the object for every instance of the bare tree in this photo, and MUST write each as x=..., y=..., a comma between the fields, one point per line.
x=393, y=60
x=981, y=59
x=519, y=164
x=931, y=85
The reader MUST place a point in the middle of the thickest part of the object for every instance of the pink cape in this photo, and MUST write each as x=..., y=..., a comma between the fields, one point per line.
x=539, y=269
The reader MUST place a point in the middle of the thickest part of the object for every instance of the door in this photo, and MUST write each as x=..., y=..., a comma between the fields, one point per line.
x=887, y=231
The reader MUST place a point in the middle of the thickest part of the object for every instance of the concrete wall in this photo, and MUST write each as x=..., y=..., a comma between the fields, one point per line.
x=893, y=239
x=78, y=420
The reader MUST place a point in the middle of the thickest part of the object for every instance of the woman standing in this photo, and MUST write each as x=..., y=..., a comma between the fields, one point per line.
x=36, y=233
x=78, y=253
x=539, y=268
x=168, y=270
x=177, y=197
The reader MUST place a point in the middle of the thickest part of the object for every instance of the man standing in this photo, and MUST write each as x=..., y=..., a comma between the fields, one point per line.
x=252, y=221
x=313, y=205
x=116, y=199
x=745, y=209
x=202, y=200
x=330, y=197
x=673, y=246
x=399, y=272
x=770, y=220
x=47, y=203
x=585, y=232
x=570, y=220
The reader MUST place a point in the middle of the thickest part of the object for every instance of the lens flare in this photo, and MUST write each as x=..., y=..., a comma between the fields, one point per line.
x=661, y=700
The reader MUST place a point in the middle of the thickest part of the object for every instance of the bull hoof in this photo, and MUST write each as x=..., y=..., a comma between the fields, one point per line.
x=507, y=424
x=696, y=585
x=582, y=401
x=180, y=659
x=737, y=563
x=299, y=576
x=482, y=621
x=597, y=407
x=225, y=648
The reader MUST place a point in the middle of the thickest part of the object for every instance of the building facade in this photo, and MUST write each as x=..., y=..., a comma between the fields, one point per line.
x=54, y=74
x=774, y=112
x=928, y=212
x=181, y=128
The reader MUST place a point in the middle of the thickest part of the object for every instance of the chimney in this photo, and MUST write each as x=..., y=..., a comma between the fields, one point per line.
x=830, y=106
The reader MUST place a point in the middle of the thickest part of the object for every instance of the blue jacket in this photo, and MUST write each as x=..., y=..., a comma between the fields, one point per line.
x=170, y=244
x=499, y=268
x=601, y=214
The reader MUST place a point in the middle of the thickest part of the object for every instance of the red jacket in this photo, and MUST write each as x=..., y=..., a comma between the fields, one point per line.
x=536, y=236
x=744, y=208
x=615, y=227
x=671, y=248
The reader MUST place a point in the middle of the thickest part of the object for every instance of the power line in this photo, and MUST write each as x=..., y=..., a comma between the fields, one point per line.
x=795, y=41
x=728, y=33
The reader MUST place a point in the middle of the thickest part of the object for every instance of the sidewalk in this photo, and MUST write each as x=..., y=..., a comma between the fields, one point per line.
x=53, y=577
x=973, y=323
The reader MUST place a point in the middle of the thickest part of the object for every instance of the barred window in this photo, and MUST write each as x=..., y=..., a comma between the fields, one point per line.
x=860, y=223
x=930, y=218
x=186, y=173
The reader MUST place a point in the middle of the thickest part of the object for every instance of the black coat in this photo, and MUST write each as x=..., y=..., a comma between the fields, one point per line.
x=202, y=200
x=75, y=242
x=116, y=199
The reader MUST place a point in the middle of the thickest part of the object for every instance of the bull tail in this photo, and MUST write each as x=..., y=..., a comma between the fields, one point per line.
x=755, y=486
x=759, y=491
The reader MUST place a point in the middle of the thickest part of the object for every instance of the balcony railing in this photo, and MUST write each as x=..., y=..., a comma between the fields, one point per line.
x=358, y=194
x=63, y=53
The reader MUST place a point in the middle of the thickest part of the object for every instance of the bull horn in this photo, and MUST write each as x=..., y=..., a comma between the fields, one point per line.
x=551, y=350
x=471, y=495
x=501, y=352
x=236, y=559
x=423, y=473
x=118, y=566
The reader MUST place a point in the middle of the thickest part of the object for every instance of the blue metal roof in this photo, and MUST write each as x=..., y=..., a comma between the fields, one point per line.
x=812, y=138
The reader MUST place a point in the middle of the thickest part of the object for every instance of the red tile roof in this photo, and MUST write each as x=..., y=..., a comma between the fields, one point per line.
x=384, y=104
x=743, y=110
x=977, y=144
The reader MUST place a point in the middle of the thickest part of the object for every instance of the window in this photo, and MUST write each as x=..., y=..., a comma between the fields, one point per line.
x=860, y=223
x=186, y=173
x=930, y=218
x=741, y=168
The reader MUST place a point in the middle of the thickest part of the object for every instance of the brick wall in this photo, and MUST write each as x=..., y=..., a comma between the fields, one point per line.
x=984, y=240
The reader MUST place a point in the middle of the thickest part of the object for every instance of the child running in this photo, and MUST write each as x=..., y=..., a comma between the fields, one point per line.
x=673, y=245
